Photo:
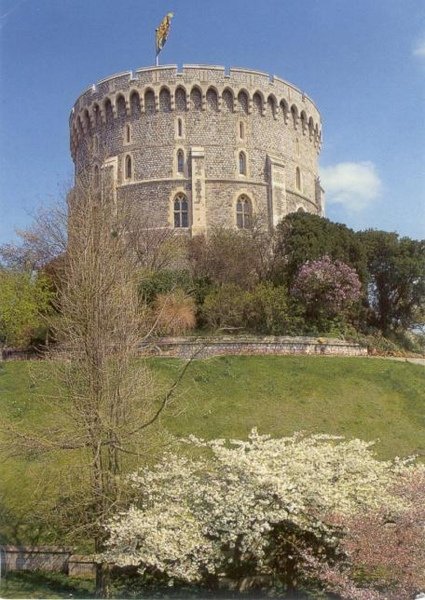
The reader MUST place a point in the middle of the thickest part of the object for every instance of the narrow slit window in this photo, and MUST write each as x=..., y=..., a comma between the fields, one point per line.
x=298, y=178
x=128, y=167
x=180, y=161
x=241, y=130
x=242, y=163
x=179, y=128
x=128, y=134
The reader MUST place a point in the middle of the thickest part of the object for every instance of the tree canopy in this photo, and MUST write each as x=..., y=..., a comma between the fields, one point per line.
x=396, y=279
x=302, y=236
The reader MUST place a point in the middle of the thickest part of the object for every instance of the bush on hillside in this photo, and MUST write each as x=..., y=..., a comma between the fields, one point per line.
x=174, y=313
x=224, y=307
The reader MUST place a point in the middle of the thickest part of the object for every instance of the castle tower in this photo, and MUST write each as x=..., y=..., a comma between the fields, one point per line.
x=201, y=147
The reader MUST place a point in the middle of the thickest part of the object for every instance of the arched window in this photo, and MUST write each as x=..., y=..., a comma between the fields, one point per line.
x=298, y=178
x=242, y=163
x=128, y=167
x=109, y=113
x=300, y=210
x=127, y=134
x=180, y=161
x=121, y=107
x=303, y=118
x=135, y=103
x=294, y=113
x=243, y=213
x=181, y=211
x=96, y=143
x=179, y=128
x=241, y=130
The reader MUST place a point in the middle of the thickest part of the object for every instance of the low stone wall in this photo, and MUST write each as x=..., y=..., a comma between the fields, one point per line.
x=51, y=558
x=21, y=558
x=81, y=566
x=19, y=354
x=228, y=345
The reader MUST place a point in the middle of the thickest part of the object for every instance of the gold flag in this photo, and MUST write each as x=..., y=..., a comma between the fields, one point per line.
x=162, y=32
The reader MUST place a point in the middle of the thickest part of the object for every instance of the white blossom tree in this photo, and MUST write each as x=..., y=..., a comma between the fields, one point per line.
x=254, y=507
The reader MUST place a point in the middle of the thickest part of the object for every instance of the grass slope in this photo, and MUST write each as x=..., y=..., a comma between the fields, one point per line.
x=373, y=399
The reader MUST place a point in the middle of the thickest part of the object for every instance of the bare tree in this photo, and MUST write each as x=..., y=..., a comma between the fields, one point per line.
x=155, y=248
x=106, y=399
x=41, y=243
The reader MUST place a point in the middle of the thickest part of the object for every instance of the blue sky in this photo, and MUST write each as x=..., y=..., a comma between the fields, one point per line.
x=362, y=62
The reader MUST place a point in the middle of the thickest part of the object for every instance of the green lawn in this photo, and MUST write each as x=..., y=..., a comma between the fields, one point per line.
x=54, y=585
x=44, y=585
x=374, y=399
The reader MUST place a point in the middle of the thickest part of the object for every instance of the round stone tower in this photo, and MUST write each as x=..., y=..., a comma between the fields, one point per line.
x=200, y=147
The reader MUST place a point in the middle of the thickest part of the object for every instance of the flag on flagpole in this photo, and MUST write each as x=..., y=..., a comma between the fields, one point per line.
x=162, y=32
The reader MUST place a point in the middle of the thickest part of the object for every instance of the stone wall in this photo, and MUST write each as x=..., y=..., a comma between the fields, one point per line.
x=207, y=347
x=210, y=115
x=51, y=558
x=22, y=558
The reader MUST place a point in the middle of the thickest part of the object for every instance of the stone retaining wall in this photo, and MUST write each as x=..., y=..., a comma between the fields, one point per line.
x=207, y=347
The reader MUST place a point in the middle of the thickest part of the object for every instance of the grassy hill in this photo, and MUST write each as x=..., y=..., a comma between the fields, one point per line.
x=373, y=399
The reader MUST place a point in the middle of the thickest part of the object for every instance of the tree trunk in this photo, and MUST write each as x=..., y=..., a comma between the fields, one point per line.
x=103, y=581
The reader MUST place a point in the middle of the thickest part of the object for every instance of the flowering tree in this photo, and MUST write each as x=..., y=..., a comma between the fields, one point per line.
x=252, y=507
x=387, y=552
x=326, y=286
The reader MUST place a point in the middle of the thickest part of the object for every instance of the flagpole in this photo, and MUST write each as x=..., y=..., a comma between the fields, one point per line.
x=156, y=50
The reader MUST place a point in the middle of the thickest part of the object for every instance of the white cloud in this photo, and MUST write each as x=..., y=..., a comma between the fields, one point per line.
x=354, y=185
x=419, y=49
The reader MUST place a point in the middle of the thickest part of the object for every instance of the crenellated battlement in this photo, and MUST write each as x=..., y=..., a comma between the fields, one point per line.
x=189, y=73
x=275, y=95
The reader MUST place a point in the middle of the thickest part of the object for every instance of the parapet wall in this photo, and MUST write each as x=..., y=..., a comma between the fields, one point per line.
x=203, y=74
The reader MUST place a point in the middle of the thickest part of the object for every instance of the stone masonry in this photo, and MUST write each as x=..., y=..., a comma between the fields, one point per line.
x=201, y=147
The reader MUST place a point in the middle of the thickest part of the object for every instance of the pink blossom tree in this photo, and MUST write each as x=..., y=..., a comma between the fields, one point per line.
x=326, y=287
x=380, y=555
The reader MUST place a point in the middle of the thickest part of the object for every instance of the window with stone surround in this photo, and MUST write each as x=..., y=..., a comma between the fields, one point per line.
x=180, y=162
x=179, y=128
x=127, y=134
x=243, y=212
x=242, y=163
x=241, y=130
x=181, y=211
x=128, y=169
x=298, y=179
